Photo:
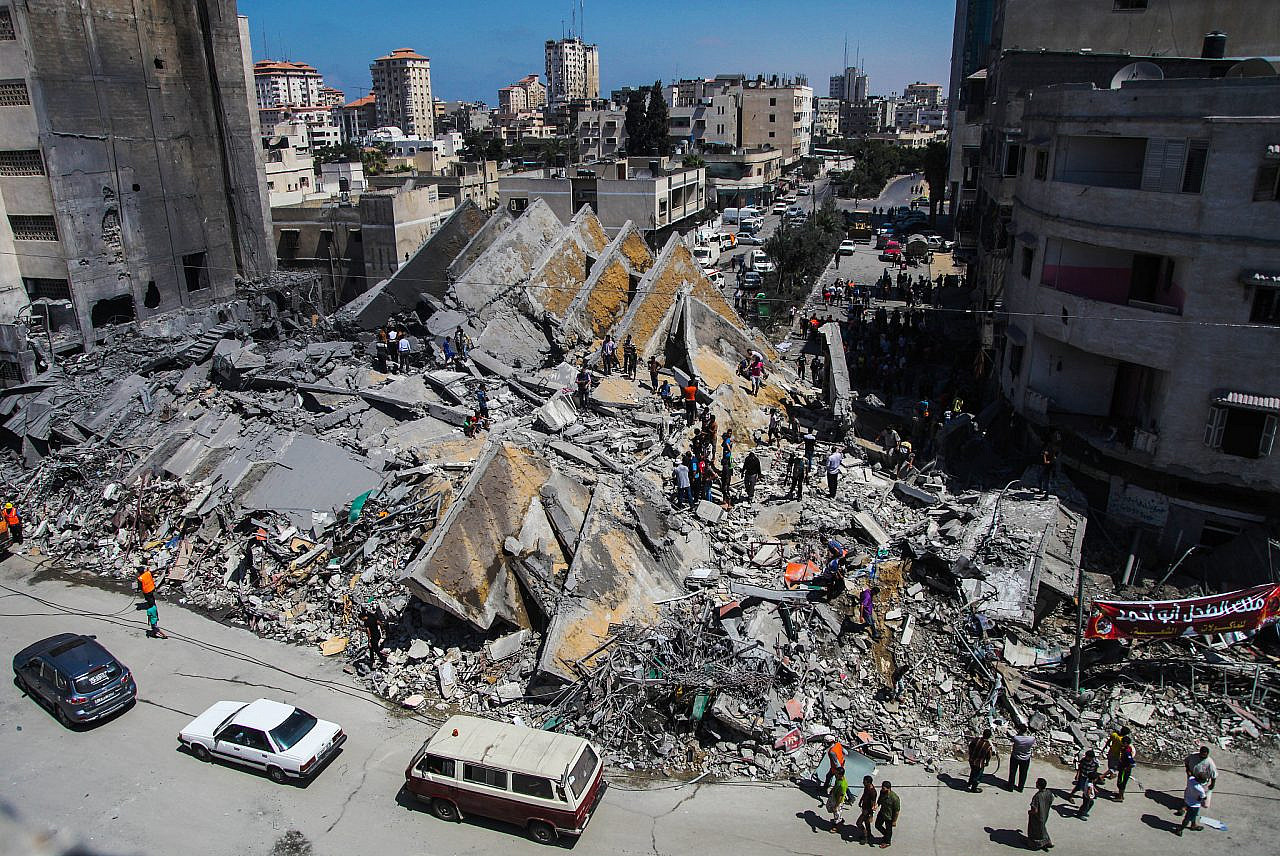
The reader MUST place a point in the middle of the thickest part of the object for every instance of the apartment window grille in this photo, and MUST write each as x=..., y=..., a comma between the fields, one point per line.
x=13, y=93
x=10, y=373
x=6, y=25
x=33, y=227
x=53, y=289
x=21, y=162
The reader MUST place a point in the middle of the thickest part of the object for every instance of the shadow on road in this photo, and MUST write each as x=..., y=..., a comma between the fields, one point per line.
x=406, y=799
x=1007, y=837
x=1159, y=823
x=1164, y=798
x=954, y=782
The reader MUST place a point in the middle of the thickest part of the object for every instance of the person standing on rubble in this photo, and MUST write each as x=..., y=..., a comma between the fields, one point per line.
x=482, y=402
x=1038, y=817
x=691, y=401
x=684, y=495
x=654, y=365
x=393, y=347
x=406, y=350
x=751, y=474
x=726, y=473
x=800, y=366
x=796, y=468
x=775, y=427
x=372, y=624
x=609, y=354
x=380, y=351
x=868, y=602
x=890, y=809
x=834, y=462
x=757, y=373
x=1024, y=745
x=980, y=752
x=631, y=358
x=810, y=444
x=584, y=384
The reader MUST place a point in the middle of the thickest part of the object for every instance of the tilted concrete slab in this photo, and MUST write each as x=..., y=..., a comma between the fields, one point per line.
x=508, y=261
x=560, y=274
x=464, y=569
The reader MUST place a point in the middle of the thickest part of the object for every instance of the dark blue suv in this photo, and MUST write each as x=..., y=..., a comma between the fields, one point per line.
x=75, y=676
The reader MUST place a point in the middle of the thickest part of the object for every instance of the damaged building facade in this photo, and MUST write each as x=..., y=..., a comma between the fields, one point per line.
x=130, y=170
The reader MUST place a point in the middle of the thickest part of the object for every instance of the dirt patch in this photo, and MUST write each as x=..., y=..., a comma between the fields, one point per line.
x=598, y=239
x=637, y=252
x=608, y=298
x=560, y=279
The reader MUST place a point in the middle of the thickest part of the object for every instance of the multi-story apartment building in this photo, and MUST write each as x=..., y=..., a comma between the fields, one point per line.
x=573, y=70
x=525, y=95
x=925, y=93
x=402, y=92
x=463, y=116
x=125, y=200
x=851, y=85
x=875, y=114
x=279, y=83
x=601, y=134
x=777, y=113
x=1142, y=296
x=290, y=163
x=356, y=119
x=330, y=97
x=826, y=117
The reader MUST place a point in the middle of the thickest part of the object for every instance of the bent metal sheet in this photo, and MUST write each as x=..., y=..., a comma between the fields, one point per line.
x=1231, y=612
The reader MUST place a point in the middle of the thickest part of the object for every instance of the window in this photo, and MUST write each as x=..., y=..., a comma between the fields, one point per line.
x=1016, y=353
x=10, y=374
x=1012, y=159
x=1193, y=174
x=21, y=162
x=485, y=776
x=6, y=25
x=1028, y=259
x=53, y=289
x=1266, y=306
x=517, y=204
x=33, y=227
x=1267, y=187
x=773, y=117
x=582, y=771
x=771, y=133
x=13, y=93
x=1245, y=433
x=195, y=271
x=773, y=102
x=1129, y=6
x=1042, y=164
x=437, y=766
x=532, y=786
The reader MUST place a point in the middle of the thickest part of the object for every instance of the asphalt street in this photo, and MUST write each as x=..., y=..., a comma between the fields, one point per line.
x=123, y=787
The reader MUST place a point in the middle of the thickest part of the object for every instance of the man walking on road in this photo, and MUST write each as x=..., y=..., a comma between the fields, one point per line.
x=980, y=752
x=836, y=800
x=1193, y=799
x=1200, y=765
x=1024, y=745
x=890, y=808
x=1038, y=817
x=147, y=585
x=867, y=807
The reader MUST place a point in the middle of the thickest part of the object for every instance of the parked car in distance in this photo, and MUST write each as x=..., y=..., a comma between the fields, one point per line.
x=750, y=225
x=725, y=240
x=891, y=254
x=751, y=279
x=803, y=190
x=761, y=263
x=77, y=678
x=750, y=240
x=547, y=783
x=706, y=255
x=280, y=739
x=939, y=244
x=716, y=277
x=847, y=248
x=778, y=208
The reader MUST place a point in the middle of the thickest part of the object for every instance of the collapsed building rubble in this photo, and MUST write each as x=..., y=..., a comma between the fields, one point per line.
x=259, y=461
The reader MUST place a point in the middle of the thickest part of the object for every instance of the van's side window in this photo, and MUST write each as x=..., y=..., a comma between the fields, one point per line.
x=485, y=776
x=531, y=786
x=437, y=765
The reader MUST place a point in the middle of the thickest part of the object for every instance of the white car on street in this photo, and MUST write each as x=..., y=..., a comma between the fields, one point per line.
x=715, y=277
x=280, y=739
x=847, y=248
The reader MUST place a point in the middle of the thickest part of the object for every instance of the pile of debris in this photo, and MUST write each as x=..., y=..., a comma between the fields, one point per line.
x=519, y=538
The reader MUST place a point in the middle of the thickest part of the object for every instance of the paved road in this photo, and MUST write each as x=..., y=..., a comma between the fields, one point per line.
x=896, y=192
x=123, y=786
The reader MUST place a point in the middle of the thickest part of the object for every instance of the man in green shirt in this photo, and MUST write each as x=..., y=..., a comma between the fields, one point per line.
x=887, y=819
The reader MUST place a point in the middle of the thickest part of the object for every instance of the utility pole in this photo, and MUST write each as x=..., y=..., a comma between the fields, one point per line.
x=1075, y=683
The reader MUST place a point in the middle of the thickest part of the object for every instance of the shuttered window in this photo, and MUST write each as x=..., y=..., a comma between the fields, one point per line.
x=1267, y=187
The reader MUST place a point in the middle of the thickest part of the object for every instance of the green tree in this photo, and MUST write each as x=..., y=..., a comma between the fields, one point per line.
x=495, y=151
x=659, y=137
x=936, y=166
x=343, y=153
x=694, y=160
x=636, y=124
x=374, y=159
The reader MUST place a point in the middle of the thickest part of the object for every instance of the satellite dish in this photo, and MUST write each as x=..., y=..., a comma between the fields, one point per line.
x=1137, y=71
x=1254, y=67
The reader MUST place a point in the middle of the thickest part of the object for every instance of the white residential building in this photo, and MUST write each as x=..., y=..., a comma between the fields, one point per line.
x=286, y=84
x=573, y=70
x=402, y=92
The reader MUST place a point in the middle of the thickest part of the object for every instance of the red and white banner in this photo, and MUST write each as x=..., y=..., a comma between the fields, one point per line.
x=1231, y=612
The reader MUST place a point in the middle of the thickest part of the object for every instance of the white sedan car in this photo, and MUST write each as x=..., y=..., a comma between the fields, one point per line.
x=847, y=248
x=286, y=742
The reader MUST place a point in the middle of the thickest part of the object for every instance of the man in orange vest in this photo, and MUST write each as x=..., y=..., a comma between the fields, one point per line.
x=691, y=401
x=147, y=585
x=14, y=521
x=835, y=754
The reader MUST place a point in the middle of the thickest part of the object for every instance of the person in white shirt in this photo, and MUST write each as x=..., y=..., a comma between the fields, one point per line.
x=833, y=471
x=1193, y=799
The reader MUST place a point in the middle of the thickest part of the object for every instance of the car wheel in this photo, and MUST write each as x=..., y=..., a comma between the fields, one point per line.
x=21, y=684
x=61, y=715
x=445, y=810
x=277, y=775
x=202, y=752
x=541, y=832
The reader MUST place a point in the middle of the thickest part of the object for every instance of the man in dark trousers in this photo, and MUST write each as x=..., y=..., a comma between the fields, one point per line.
x=795, y=488
x=630, y=358
x=1024, y=745
x=751, y=474
x=654, y=365
x=980, y=752
x=810, y=444
x=373, y=629
x=890, y=808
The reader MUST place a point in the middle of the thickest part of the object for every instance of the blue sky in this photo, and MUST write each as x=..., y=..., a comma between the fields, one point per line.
x=476, y=47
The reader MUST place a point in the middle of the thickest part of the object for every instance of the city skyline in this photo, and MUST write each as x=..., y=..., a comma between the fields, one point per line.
x=474, y=51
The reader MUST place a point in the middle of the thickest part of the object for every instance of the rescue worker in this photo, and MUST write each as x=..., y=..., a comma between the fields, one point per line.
x=147, y=585
x=13, y=520
x=835, y=754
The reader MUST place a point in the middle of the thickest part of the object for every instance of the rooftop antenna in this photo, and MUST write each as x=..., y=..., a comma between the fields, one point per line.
x=582, y=19
x=845, y=67
x=573, y=18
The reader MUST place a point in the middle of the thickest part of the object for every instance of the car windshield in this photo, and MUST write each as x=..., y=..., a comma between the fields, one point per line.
x=98, y=678
x=293, y=729
x=580, y=775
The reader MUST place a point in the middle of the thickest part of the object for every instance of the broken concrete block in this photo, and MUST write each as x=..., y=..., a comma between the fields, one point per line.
x=510, y=691
x=448, y=676
x=873, y=530
x=414, y=701
x=908, y=630
x=577, y=454
x=420, y=649
x=702, y=577
x=506, y=646
x=709, y=511
x=557, y=414
x=914, y=494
